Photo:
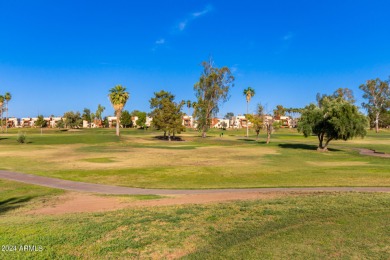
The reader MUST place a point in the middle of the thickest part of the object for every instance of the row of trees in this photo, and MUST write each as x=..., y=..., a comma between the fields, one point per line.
x=4, y=100
x=377, y=94
x=334, y=116
x=211, y=90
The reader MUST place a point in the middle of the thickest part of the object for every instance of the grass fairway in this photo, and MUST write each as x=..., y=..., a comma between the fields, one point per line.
x=138, y=159
x=310, y=226
x=292, y=226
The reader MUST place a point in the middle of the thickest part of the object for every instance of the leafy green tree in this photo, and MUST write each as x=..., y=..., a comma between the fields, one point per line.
x=118, y=97
x=60, y=124
x=105, y=122
x=99, y=112
x=248, y=93
x=279, y=111
x=141, y=118
x=193, y=105
x=344, y=93
x=41, y=122
x=87, y=116
x=224, y=125
x=7, y=97
x=73, y=119
x=257, y=119
x=385, y=118
x=377, y=93
x=229, y=115
x=126, y=119
x=211, y=90
x=141, y=121
x=336, y=119
x=167, y=115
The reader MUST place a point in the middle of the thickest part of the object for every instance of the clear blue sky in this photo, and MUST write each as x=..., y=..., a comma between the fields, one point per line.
x=63, y=55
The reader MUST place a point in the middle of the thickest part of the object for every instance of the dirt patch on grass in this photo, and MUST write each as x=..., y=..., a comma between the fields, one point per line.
x=210, y=198
x=73, y=202
x=337, y=164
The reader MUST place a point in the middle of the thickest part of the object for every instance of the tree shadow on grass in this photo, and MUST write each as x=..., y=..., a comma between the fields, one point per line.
x=165, y=138
x=13, y=203
x=304, y=147
x=247, y=140
x=3, y=138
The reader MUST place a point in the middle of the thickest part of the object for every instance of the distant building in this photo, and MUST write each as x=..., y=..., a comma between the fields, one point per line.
x=221, y=123
x=111, y=121
x=148, y=121
x=188, y=121
x=13, y=122
x=240, y=122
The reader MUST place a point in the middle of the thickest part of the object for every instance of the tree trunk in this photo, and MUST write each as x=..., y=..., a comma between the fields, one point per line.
x=268, y=136
x=269, y=132
x=1, y=118
x=204, y=128
x=320, y=140
x=247, y=121
x=377, y=122
x=324, y=148
x=118, y=116
x=6, y=118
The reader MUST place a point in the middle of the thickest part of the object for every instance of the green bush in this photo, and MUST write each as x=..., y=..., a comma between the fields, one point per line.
x=21, y=138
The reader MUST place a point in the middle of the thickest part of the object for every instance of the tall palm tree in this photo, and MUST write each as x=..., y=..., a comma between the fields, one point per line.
x=1, y=111
x=118, y=98
x=7, y=98
x=189, y=105
x=248, y=93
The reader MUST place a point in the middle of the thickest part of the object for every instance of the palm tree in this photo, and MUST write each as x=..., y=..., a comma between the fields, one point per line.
x=248, y=93
x=98, y=114
x=7, y=98
x=1, y=111
x=189, y=105
x=118, y=98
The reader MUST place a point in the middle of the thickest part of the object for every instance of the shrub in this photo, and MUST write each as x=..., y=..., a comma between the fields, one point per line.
x=21, y=138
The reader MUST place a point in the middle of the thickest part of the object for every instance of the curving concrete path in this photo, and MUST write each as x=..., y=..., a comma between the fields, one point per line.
x=109, y=189
x=369, y=152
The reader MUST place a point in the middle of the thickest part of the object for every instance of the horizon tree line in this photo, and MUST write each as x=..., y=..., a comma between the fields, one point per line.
x=212, y=90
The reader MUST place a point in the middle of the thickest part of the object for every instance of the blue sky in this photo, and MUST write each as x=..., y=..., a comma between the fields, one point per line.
x=63, y=55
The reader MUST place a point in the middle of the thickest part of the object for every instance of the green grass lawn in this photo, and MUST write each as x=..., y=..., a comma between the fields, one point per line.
x=303, y=226
x=139, y=159
x=311, y=226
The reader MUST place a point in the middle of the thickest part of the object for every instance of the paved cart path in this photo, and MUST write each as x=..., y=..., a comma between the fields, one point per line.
x=370, y=152
x=109, y=189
